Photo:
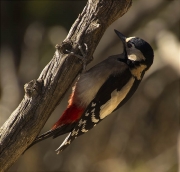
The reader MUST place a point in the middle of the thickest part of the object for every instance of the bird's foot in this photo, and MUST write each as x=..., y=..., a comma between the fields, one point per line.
x=83, y=56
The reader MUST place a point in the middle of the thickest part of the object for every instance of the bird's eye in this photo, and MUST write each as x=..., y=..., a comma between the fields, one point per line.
x=129, y=45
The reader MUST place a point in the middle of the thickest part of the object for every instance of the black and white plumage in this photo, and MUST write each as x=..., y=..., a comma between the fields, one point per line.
x=104, y=88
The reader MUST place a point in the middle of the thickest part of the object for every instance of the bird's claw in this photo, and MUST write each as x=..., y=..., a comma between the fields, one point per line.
x=81, y=57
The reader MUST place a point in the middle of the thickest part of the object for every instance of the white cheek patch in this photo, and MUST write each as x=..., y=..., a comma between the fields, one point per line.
x=135, y=54
x=116, y=98
x=133, y=57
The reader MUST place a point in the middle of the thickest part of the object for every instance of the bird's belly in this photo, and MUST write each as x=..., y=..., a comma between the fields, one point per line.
x=115, y=100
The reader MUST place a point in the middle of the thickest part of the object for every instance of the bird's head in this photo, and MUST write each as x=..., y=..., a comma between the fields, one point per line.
x=138, y=54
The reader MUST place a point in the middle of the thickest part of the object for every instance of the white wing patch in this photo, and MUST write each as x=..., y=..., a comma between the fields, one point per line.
x=94, y=119
x=86, y=114
x=116, y=98
x=74, y=132
x=93, y=104
x=81, y=124
x=93, y=109
x=84, y=130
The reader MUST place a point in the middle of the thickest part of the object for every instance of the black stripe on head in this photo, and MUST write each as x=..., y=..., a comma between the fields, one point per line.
x=145, y=48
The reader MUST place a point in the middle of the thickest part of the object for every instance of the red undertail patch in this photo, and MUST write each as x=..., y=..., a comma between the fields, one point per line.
x=70, y=115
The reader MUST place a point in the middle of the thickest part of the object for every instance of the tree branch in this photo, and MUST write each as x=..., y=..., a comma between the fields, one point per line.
x=44, y=94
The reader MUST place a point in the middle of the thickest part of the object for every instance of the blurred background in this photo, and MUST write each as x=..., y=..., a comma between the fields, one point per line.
x=142, y=136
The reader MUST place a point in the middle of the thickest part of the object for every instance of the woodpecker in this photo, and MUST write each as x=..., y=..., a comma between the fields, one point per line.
x=102, y=89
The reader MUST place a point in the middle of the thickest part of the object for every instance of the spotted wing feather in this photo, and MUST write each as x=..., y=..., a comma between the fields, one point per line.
x=92, y=115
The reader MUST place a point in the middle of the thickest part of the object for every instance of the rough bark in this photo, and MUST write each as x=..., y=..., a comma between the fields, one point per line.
x=42, y=95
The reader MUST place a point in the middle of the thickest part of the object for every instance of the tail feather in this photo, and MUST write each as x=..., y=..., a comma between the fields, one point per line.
x=63, y=129
x=65, y=144
x=65, y=124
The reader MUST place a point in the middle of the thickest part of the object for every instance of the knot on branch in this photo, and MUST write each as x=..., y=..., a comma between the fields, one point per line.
x=33, y=88
x=64, y=46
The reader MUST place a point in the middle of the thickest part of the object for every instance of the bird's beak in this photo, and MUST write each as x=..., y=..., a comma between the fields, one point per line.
x=121, y=36
x=123, y=39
